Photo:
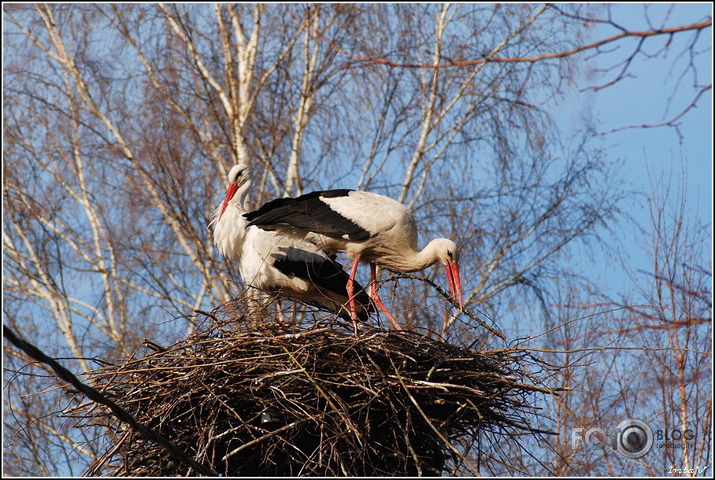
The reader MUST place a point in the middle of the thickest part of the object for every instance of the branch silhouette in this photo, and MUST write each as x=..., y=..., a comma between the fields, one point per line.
x=96, y=396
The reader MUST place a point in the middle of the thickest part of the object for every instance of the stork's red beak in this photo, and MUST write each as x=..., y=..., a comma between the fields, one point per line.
x=455, y=284
x=230, y=192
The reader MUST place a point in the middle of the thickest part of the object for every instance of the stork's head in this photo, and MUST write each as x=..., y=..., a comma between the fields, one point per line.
x=449, y=256
x=237, y=177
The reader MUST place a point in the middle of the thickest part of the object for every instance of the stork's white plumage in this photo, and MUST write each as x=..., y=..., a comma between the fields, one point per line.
x=370, y=227
x=270, y=261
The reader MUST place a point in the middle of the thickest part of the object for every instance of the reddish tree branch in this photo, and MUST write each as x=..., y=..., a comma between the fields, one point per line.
x=481, y=61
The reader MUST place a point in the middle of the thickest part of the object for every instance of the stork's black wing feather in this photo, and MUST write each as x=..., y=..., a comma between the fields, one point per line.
x=308, y=213
x=326, y=274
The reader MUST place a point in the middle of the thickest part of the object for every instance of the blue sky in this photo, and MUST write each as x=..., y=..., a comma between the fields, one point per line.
x=656, y=91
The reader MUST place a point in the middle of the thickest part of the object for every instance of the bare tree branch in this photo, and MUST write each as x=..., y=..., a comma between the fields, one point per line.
x=96, y=396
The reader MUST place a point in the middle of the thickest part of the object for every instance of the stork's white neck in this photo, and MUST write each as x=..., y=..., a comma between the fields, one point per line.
x=429, y=255
x=410, y=260
x=230, y=229
x=239, y=199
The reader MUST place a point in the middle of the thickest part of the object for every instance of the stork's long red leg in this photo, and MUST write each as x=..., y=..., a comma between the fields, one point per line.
x=350, y=288
x=376, y=298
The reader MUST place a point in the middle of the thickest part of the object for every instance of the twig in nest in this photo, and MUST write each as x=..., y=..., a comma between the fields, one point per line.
x=449, y=298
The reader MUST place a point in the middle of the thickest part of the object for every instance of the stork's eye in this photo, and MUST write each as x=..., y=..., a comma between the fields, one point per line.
x=236, y=175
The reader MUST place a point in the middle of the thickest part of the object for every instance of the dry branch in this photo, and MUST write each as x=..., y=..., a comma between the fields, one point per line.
x=64, y=374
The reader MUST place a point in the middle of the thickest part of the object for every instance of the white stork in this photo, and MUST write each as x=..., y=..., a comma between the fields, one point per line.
x=367, y=226
x=271, y=262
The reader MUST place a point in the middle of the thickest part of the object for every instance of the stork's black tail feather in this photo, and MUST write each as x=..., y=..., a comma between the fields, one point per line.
x=328, y=276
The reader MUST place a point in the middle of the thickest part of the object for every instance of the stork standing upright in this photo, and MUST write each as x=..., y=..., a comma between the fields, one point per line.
x=271, y=262
x=369, y=227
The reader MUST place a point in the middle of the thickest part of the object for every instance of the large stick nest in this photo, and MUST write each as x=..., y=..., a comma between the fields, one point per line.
x=319, y=401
